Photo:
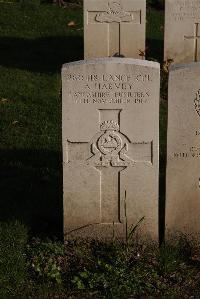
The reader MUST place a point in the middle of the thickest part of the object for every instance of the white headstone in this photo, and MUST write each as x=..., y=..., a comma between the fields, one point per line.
x=110, y=146
x=183, y=150
x=182, y=30
x=114, y=28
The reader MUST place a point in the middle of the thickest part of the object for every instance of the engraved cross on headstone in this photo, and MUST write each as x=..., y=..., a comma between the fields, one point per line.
x=195, y=37
x=114, y=17
x=111, y=153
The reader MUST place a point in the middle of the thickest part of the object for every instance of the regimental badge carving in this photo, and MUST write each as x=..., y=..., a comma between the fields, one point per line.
x=110, y=147
x=110, y=152
x=197, y=102
x=115, y=13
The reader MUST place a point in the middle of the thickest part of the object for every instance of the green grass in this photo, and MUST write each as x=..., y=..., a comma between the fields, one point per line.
x=34, y=43
x=155, y=35
x=13, y=269
x=48, y=269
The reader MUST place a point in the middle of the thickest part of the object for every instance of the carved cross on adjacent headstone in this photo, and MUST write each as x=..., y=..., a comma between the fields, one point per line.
x=112, y=152
x=114, y=16
x=195, y=37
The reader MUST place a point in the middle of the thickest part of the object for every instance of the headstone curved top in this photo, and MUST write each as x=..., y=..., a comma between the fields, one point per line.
x=114, y=28
x=110, y=147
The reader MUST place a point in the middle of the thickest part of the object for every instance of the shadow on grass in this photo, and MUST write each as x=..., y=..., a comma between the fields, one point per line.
x=31, y=190
x=162, y=170
x=162, y=196
x=155, y=48
x=40, y=55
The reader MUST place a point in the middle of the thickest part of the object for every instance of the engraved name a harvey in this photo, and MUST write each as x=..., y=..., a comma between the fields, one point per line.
x=110, y=86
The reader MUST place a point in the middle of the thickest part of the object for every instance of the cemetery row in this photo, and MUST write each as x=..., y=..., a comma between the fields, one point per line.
x=117, y=28
x=111, y=124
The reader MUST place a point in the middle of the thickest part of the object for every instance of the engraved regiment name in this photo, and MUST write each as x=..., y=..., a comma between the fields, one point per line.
x=110, y=88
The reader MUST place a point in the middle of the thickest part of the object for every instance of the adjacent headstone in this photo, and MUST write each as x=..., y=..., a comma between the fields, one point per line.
x=183, y=150
x=114, y=28
x=182, y=30
x=110, y=147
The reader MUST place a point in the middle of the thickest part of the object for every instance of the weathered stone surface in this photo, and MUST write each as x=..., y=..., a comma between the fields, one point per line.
x=183, y=150
x=182, y=30
x=114, y=28
x=110, y=145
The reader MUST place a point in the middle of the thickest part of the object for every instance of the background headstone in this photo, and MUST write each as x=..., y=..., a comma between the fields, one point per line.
x=110, y=145
x=114, y=28
x=183, y=150
x=182, y=30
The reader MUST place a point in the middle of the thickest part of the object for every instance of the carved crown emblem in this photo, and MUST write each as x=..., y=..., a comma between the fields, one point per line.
x=110, y=125
x=197, y=102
